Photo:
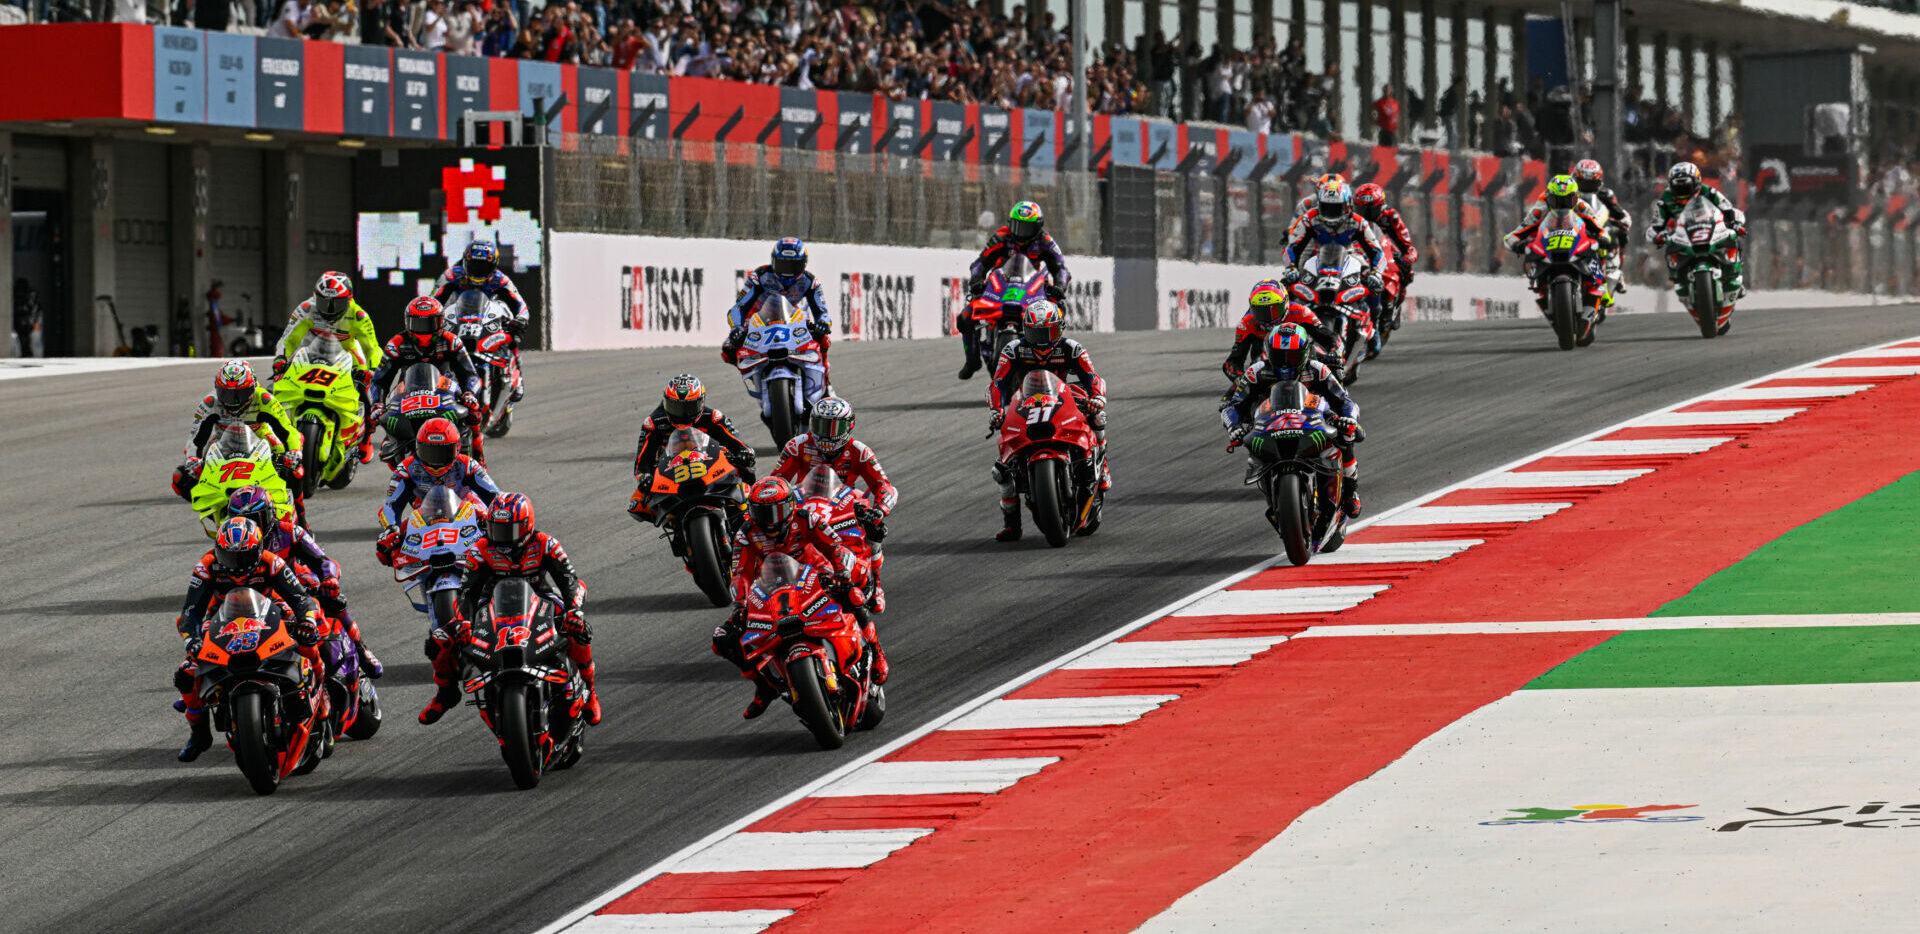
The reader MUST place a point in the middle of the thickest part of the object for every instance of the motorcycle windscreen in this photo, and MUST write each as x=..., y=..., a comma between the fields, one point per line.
x=820, y=483
x=1332, y=257
x=439, y=505
x=684, y=440
x=235, y=438
x=1043, y=383
x=775, y=309
x=471, y=306
x=1699, y=219
x=323, y=349
x=421, y=377
x=513, y=601
x=778, y=571
x=243, y=603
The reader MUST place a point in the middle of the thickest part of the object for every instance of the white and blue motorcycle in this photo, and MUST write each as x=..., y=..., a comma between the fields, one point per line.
x=783, y=366
x=431, y=557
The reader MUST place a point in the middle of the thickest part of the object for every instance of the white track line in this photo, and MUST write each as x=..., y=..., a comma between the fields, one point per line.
x=1395, y=552
x=807, y=849
x=1056, y=712
x=1884, y=352
x=1474, y=515
x=1732, y=417
x=1635, y=624
x=1767, y=393
x=1643, y=447
x=1900, y=369
x=972, y=776
x=1281, y=600
x=1171, y=608
x=750, y=921
x=1548, y=479
x=1188, y=653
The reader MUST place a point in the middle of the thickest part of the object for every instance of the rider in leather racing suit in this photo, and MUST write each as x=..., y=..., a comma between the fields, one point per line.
x=1332, y=220
x=333, y=312
x=1592, y=182
x=1683, y=185
x=427, y=340
x=778, y=524
x=1290, y=356
x=1041, y=346
x=237, y=559
x=514, y=548
x=786, y=276
x=830, y=444
x=683, y=404
x=479, y=270
x=1561, y=194
x=238, y=396
x=319, y=574
x=436, y=461
x=1024, y=234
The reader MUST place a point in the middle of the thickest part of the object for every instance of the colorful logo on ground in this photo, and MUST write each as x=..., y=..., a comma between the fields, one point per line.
x=1596, y=814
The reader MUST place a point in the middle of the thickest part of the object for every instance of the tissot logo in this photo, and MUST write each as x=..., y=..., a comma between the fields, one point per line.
x=1201, y=308
x=953, y=303
x=876, y=307
x=1493, y=308
x=664, y=298
x=1430, y=307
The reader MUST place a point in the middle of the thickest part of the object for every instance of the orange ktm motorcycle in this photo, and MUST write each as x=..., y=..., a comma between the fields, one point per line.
x=262, y=691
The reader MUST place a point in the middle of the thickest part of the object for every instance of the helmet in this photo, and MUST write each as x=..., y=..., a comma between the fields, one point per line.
x=789, y=257
x=332, y=296
x=770, y=506
x=1041, y=323
x=1268, y=297
x=1684, y=180
x=425, y=317
x=1334, y=199
x=234, y=388
x=436, y=444
x=509, y=520
x=236, y=546
x=1562, y=194
x=1588, y=176
x=1289, y=347
x=1025, y=221
x=832, y=423
x=480, y=261
x=1368, y=199
x=254, y=504
x=683, y=399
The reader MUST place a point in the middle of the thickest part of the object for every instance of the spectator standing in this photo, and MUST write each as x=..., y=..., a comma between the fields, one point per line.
x=1260, y=114
x=374, y=22
x=1386, y=116
x=432, y=29
x=461, y=25
x=292, y=18
x=1161, y=60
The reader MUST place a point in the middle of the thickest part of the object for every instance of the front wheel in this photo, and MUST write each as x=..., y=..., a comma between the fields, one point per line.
x=1290, y=513
x=1704, y=302
x=1564, y=310
x=517, y=744
x=250, y=749
x=810, y=702
x=313, y=456
x=444, y=604
x=781, y=417
x=706, y=557
x=1044, y=485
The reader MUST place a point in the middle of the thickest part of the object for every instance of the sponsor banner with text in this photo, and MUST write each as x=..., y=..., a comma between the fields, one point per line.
x=624, y=291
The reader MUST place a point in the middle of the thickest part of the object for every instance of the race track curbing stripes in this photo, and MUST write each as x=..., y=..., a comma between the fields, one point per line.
x=1029, y=729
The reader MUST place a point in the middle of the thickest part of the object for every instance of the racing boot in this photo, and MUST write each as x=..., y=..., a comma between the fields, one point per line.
x=1010, y=518
x=1350, y=497
x=970, y=346
x=763, y=694
x=369, y=663
x=365, y=450
x=199, y=737
x=447, y=693
x=582, y=656
x=879, y=654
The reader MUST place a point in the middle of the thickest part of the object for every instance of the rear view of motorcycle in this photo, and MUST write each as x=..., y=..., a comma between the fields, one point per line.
x=424, y=393
x=1331, y=284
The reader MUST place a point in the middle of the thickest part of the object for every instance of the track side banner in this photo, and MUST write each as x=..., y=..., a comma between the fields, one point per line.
x=613, y=291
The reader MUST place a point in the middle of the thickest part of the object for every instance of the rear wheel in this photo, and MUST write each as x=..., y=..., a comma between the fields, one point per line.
x=1044, y=482
x=1290, y=509
x=312, y=456
x=250, y=750
x=1564, y=310
x=704, y=551
x=1705, y=307
x=810, y=702
x=517, y=744
x=367, y=722
x=781, y=417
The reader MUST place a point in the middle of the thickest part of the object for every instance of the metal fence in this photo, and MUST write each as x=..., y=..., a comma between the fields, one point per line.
x=747, y=191
x=744, y=191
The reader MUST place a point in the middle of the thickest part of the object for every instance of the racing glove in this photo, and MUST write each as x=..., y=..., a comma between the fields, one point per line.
x=975, y=286
x=307, y=630
x=279, y=366
x=1349, y=429
x=1055, y=293
x=995, y=419
x=1373, y=282
x=820, y=330
x=516, y=326
x=383, y=549
x=574, y=623
x=745, y=458
x=290, y=463
x=738, y=618
x=1235, y=436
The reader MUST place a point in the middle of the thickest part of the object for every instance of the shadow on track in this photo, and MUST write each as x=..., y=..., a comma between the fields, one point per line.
x=723, y=747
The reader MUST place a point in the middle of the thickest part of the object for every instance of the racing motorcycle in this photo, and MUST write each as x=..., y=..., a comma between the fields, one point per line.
x=846, y=513
x=261, y=692
x=1005, y=296
x=423, y=393
x=1047, y=443
x=1701, y=244
x=1387, y=319
x=514, y=663
x=1610, y=260
x=1331, y=285
x=696, y=495
x=318, y=390
x=1299, y=472
x=481, y=322
x=1565, y=258
x=800, y=640
x=430, y=561
x=234, y=457
x=780, y=362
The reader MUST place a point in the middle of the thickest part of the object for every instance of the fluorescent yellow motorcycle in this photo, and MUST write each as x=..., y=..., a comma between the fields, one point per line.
x=235, y=457
x=319, y=393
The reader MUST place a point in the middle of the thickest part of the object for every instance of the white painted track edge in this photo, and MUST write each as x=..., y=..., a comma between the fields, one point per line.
x=1008, y=686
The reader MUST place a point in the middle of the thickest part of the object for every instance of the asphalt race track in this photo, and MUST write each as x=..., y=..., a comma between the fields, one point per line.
x=420, y=829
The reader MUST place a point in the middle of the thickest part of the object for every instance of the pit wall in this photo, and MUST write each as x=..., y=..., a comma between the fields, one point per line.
x=614, y=291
